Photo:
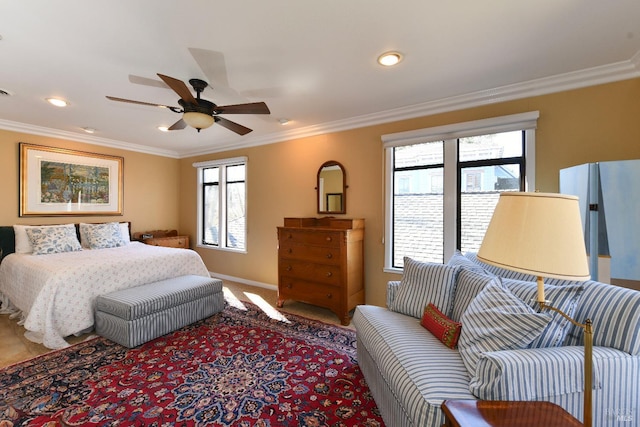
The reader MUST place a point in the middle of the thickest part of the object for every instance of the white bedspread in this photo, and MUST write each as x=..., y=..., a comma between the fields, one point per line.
x=56, y=293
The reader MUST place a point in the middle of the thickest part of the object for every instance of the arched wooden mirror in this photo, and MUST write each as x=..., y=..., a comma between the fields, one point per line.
x=332, y=188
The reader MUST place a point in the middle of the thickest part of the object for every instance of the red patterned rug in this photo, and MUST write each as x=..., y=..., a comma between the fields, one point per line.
x=236, y=368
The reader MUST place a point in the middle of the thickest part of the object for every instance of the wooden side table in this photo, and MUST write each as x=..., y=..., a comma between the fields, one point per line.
x=170, y=242
x=484, y=413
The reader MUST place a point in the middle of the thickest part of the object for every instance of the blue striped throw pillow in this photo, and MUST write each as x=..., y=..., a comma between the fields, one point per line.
x=423, y=283
x=564, y=298
x=497, y=320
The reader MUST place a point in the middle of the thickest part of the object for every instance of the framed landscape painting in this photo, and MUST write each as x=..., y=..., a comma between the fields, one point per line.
x=58, y=182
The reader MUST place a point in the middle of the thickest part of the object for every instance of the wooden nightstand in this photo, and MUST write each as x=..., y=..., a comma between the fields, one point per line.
x=168, y=238
x=468, y=413
x=171, y=242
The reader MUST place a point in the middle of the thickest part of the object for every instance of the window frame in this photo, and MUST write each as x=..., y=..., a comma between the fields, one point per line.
x=526, y=122
x=222, y=202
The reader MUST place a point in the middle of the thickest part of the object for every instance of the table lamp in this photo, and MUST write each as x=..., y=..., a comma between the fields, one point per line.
x=541, y=234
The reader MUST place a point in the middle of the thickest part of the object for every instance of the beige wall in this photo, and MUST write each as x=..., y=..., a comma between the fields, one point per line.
x=586, y=125
x=150, y=185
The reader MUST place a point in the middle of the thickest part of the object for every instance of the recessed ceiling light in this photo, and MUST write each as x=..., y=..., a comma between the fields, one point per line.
x=283, y=121
x=389, y=58
x=89, y=130
x=163, y=128
x=57, y=102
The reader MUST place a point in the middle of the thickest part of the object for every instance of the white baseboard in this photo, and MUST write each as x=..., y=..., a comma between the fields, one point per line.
x=244, y=281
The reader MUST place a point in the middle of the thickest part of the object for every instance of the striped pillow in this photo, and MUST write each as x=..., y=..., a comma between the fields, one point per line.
x=457, y=259
x=468, y=286
x=423, y=283
x=564, y=298
x=497, y=320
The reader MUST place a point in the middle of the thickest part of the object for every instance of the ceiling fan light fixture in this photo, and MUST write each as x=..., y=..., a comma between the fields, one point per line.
x=389, y=59
x=198, y=120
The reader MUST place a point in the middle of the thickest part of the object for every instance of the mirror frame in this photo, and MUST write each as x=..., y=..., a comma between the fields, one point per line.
x=326, y=164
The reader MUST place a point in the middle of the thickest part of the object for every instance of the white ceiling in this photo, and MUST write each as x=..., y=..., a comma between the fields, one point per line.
x=313, y=62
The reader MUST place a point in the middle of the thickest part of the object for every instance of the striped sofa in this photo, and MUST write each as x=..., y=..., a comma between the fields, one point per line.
x=410, y=372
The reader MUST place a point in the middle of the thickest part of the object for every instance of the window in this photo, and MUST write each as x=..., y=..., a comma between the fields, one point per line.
x=443, y=184
x=222, y=213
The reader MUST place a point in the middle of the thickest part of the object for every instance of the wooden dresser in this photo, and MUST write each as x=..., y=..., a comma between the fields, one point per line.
x=320, y=262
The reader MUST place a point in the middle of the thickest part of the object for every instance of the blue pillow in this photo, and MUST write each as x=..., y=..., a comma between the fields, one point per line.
x=423, y=283
x=497, y=320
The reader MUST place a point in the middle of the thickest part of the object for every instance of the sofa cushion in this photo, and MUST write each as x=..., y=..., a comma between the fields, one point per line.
x=422, y=283
x=537, y=374
x=443, y=328
x=468, y=286
x=497, y=320
x=420, y=370
x=564, y=298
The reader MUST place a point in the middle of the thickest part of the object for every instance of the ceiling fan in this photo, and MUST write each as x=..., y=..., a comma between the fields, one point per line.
x=200, y=113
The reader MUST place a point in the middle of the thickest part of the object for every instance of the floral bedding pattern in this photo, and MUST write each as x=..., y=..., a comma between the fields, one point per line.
x=56, y=293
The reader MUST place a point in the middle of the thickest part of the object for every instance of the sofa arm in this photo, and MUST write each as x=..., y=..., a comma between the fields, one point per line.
x=392, y=289
x=539, y=373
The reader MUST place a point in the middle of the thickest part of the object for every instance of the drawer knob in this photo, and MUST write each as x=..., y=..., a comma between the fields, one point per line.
x=329, y=274
x=329, y=255
x=329, y=296
x=289, y=268
x=289, y=286
x=290, y=236
x=329, y=238
x=290, y=250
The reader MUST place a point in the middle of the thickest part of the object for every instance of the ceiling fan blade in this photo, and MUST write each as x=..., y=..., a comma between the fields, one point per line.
x=130, y=101
x=250, y=108
x=180, y=88
x=180, y=124
x=233, y=126
x=147, y=82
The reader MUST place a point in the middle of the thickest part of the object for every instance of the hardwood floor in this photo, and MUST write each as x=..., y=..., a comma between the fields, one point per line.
x=14, y=347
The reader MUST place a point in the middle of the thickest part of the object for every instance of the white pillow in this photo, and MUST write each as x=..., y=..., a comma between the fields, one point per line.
x=23, y=244
x=53, y=240
x=497, y=320
x=124, y=231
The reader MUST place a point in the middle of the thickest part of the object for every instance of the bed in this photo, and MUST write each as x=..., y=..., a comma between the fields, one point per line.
x=54, y=293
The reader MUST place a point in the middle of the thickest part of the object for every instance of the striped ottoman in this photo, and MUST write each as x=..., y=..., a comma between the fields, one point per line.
x=136, y=315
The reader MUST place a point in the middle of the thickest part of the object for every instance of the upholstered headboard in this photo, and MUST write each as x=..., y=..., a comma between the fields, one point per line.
x=8, y=239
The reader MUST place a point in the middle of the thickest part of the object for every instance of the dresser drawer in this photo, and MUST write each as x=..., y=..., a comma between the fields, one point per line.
x=309, y=292
x=323, y=238
x=323, y=273
x=319, y=254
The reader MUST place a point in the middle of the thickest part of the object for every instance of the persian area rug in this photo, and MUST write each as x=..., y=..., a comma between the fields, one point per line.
x=239, y=367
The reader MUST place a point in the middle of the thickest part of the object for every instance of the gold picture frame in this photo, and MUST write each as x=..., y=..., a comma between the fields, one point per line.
x=61, y=182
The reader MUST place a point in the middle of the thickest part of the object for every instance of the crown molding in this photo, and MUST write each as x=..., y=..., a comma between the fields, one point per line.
x=618, y=71
x=89, y=139
x=623, y=70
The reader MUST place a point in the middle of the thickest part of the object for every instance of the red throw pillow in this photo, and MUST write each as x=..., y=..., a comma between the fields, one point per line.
x=443, y=328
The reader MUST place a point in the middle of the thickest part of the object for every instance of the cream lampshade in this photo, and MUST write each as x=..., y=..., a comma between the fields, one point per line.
x=541, y=234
